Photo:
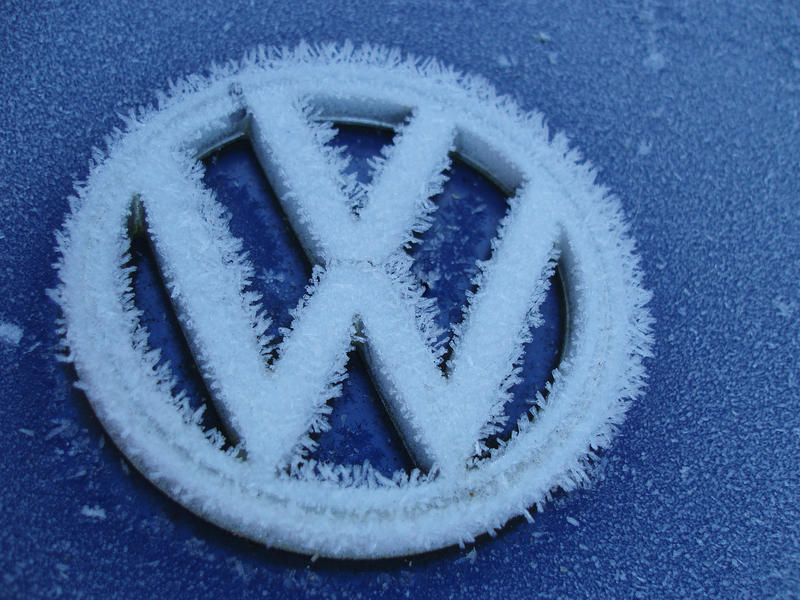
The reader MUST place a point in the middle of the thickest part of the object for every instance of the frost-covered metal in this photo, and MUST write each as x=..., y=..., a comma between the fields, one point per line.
x=363, y=291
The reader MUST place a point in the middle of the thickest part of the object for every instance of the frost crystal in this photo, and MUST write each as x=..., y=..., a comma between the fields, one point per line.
x=363, y=291
x=10, y=334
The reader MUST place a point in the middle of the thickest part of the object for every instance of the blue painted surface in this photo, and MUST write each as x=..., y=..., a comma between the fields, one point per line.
x=691, y=114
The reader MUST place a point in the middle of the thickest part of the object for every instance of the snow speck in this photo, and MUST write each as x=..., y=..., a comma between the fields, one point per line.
x=10, y=334
x=469, y=557
x=655, y=61
x=506, y=61
x=574, y=522
x=785, y=309
x=62, y=427
x=645, y=147
x=94, y=512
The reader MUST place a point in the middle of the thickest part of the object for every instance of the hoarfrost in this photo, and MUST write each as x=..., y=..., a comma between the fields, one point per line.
x=10, y=333
x=655, y=61
x=506, y=61
x=94, y=512
x=363, y=291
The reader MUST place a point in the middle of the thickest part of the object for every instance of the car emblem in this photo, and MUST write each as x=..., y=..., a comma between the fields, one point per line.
x=362, y=292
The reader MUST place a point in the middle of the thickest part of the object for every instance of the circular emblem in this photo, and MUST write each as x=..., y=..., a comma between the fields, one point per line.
x=363, y=292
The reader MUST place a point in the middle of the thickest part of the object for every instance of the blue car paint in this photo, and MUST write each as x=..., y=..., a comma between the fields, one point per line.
x=690, y=114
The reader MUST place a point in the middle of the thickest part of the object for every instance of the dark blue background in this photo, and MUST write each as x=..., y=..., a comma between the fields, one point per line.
x=689, y=110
